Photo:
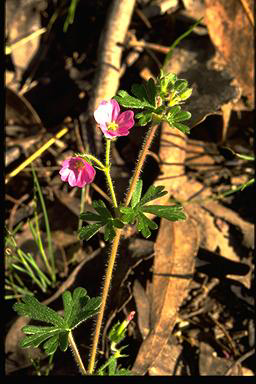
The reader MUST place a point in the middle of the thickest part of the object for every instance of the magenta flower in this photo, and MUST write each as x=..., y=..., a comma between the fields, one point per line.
x=77, y=172
x=111, y=121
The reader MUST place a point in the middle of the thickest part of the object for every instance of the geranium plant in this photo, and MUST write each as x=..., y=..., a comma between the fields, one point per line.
x=154, y=102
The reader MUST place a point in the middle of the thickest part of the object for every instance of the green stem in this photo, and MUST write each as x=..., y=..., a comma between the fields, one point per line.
x=107, y=173
x=142, y=156
x=82, y=201
x=115, y=244
x=76, y=353
x=93, y=158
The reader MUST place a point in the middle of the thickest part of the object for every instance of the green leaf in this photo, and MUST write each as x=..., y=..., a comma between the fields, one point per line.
x=181, y=127
x=127, y=101
x=118, y=223
x=182, y=116
x=109, y=233
x=103, y=219
x=77, y=308
x=180, y=85
x=112, y=367
x=186, y=94
x=63, y=341
x=145, y=224
x=153, y=193
x=146, y=92
x=172, y=213
x=145, y=97
x=51, y=345
x=31, y=307
x=85, y=233
x=67, y=305
x=89, y=216
x=175, y=115
x=33, y=341
x=136, y=212
x=115, y=335
x=137, y=194
x=82, y=307
x=36, y=329
x=121, y=372
x=128, y=215
x=102, y=210
x=144, y=117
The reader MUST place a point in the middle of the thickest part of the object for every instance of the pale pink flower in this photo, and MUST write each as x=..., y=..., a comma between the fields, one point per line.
x=130, y=316
x=111, y=121
x=77, y=172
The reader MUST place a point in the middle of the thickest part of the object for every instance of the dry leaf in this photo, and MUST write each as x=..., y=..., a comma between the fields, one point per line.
x=143, y=308
x=173, y=269
x=232, y=34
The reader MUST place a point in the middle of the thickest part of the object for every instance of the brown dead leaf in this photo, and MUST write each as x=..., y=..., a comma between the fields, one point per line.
x=213, y=236
x=18, y=357
x=166, y=362
x=232, y=34
x=143, y=308
x=212, y=87
x=212, y=218
x=212, y=365
x=21, y=22
x=173, y=269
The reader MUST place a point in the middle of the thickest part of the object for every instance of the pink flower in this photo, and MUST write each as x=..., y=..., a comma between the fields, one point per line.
x=77, y=172
x=130, y=316
x=111, y=121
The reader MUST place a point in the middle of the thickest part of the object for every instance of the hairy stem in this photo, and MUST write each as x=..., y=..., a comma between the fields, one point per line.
x=105, y=291
x=76, y=353
x=107, y=173
x=115, y=244
x=93, y=158
x=142, y=156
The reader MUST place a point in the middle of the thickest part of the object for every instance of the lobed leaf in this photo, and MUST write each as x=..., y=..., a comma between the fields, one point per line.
x=144, y=224
x=152, y=194
x=103, y=219
x=127, y=101
x=36, y=329
x=102, y=210
x=144, y=117
x=89, y=310
x=51, y=345
x=181, y=127
x=182, y=116
x=31, y=307
x=128, y=214
x=33, y=341
x=172, y=213
x=85, y=233
x=63, y=341
x=67, y=305
x=137, y=194
x=90, y=216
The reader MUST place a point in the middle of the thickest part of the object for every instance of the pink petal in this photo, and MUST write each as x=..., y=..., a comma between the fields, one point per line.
x=72, y=179
x=64, y=172
x=81, y=179
x=115, y=109
x=125, y=120
x=90, y=172
x=103, y=113
x=123, y=132
x=66, y=162
x=108, y=134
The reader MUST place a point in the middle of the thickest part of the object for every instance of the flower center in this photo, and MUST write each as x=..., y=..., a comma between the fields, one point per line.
x=79, y=165
x=112, y=126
